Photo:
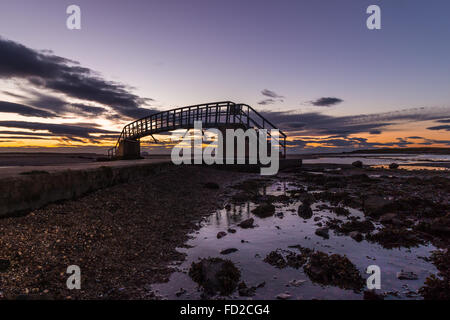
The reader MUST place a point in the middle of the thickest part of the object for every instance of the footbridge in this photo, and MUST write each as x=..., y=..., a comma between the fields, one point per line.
x=222, y=115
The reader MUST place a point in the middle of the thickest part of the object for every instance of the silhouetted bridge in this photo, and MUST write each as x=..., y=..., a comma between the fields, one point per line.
x=225, y=114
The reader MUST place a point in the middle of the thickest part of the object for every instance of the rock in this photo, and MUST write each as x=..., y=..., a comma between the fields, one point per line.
x=376, y=205
x=305, y=211
x=211, y=185
x=245, y=291
x=231, y=230
x=357, y=164
x=284, y=296
x=395, y=238
x=296, y=283
x=180, y=292
x=404, y=275
x=341, y=211
x=264, y=210
x=4, y=265
x=360, y=226
x=215, y=275
x=247, y=223
x=333, y=270
x=393, y=166
x=323, y=232
x=356, y=236
x=221, y=234
x=372, y=295
x=228, y=251
x=388, y=217
x=275, y=259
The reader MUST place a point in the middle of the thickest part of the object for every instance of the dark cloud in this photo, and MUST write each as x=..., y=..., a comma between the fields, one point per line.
x=326, y=102
x=271, y=94
x=319, y=124
x=23, y=110
x=68, y=131
x=64, y=76
x=25, y=133
x=273, y=97
x=446, y=128
x=267, y=102
x=444, y=121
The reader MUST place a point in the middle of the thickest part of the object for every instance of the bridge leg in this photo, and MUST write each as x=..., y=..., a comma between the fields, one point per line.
x=129, y=149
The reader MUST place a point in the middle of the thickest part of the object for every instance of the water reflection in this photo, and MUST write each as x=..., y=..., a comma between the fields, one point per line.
x=286, y=229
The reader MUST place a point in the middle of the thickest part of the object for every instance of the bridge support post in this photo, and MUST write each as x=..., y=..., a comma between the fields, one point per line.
x=129, y=149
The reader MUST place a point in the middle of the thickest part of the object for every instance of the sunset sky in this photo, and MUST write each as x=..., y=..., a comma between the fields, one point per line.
x=312, y=67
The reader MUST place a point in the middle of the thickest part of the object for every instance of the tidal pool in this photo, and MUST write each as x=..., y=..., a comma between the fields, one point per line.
x=280, y=231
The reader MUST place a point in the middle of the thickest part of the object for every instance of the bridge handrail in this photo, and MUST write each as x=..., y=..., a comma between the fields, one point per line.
x=216, y=109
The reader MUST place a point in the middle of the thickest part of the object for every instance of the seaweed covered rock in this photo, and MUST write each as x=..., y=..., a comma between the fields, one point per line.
x=304, y=210
x=360, y=226
x=288, y=259
x=341, y=211
x=335, y=270
x=438, y=287
x=395, y=238
x=215, y=275
x=246, y=224
x=372, y=295
x=376, y=206
x=264, y=210
x=323, y=232
x=276, y=259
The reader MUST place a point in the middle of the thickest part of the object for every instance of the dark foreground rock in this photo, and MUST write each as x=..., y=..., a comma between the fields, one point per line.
x=246, y=224
x=215, y=275
x=264, y=210
x=406, y=275
x=221, y=234
x=228, y=251
x=323, y=232
x=391, y=237
x=372, y=295
x=304, y=210
x=438, y=287
x=333, y=270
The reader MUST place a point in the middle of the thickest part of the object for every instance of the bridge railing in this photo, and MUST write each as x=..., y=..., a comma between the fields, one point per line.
x=210, y=114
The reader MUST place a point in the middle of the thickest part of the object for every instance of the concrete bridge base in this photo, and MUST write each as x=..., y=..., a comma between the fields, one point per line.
x=129, y=149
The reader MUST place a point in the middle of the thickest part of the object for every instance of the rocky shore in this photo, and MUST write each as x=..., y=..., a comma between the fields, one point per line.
x=123, y=237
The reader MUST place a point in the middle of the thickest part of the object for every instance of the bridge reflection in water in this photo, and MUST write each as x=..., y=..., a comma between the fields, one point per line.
x=222, y=115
